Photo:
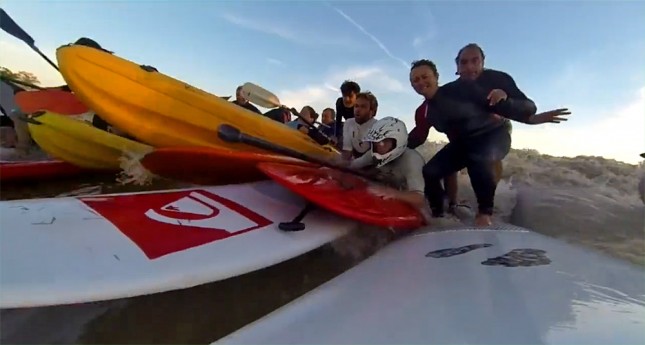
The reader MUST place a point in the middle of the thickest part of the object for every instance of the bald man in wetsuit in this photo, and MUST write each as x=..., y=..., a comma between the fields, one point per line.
x=462, y=110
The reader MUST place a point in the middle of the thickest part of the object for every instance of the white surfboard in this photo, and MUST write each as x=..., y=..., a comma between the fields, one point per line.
x=465, y=286
x=82, y=249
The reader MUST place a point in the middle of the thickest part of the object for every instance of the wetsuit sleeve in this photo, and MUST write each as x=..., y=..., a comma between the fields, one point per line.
x=514, y=109
x=362, y=161
x=252, y=108
x=505, y=82
x=419, y=134
x=339, y=116
x=413, y=170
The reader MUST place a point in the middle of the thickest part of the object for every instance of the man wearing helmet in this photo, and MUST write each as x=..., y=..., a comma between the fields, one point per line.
x=394, y=162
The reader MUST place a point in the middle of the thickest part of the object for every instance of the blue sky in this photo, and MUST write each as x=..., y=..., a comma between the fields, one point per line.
x=587, y=56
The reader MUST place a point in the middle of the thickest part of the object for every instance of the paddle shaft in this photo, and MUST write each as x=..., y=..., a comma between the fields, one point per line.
x=16, y=81
x=45, y=57
x=12, y=28
x=232, y=134
x=255, y=95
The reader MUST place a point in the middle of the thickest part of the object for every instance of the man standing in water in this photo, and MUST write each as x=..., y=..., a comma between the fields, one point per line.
x=470, y=66
x=462, y=110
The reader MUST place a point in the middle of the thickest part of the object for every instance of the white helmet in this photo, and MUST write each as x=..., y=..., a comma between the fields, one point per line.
x=388, y=127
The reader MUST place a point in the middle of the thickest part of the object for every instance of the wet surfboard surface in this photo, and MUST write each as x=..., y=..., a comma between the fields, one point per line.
x=344, y=194
x=82, y=249
x=463, y=285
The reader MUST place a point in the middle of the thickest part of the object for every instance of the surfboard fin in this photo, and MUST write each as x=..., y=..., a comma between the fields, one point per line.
x=296, y=224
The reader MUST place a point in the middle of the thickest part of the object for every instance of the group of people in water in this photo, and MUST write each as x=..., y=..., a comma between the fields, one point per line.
x=474, y=112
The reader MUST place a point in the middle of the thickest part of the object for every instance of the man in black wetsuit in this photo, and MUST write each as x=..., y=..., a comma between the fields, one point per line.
x=462, y=110
x=470, y=65
x=243, y=102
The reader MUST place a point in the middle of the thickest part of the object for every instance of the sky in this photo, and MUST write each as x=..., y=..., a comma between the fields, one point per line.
x=588, y=56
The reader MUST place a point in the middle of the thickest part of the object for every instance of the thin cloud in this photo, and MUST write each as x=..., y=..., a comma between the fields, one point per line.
x=324, y=94
x=288, y=34
x=372, y=37
x=276, y=62
x=428, y=30
x=254, y=25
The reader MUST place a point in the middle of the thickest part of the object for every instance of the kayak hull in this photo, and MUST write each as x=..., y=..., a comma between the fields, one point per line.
x=81, y=144
x=210, y=166
x=164, y=111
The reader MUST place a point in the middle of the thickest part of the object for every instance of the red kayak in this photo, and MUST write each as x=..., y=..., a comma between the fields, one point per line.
x=30, y=170
x=57, y=101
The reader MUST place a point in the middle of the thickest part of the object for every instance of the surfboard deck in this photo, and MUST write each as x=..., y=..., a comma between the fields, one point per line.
x=31, y=170
x=83, y=249
x=322, y=186
x=503, y=285
x=210, y=166
x=57, y=101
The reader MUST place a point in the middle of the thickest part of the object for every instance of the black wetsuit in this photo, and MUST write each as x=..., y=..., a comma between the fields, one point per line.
x=277, y=114
x=477, y=138
x=248, y=106
x=342, y=112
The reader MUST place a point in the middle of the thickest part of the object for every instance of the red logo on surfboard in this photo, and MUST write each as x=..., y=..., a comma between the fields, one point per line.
x=165, y=223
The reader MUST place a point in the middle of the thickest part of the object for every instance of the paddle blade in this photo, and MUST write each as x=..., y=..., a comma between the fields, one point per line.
x=9, y=26
x=260, y=96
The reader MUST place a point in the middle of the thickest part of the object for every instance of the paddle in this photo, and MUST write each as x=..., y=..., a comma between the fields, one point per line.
x=231, y=134
x=265, y=98
x=20, y=82
x=12, y=28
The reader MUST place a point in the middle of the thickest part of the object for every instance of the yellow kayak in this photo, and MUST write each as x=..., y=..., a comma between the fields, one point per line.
x=163, y=111
x=78, y=143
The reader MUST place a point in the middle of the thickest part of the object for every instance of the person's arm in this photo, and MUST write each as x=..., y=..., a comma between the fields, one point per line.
x=419, y=134
x=253, y=108
x=361, y=162
x=339, y=116
x=412, y=166
x=347, y=141
x=514, y=109
x=511, y=88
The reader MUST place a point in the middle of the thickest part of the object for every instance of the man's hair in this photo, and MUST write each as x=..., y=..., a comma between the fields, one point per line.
x=370, y=98
x=333, y=112
x=348, y=87
x=425, y=62
x=468, y=46
x=314, y=114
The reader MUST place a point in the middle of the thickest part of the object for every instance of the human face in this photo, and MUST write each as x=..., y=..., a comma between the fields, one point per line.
x=238, y=95
x=362, y=111
x=384, y=146
x=349, y=100
x=424, y=81
x=470, y=64
x=328, y=117
x=306, y=114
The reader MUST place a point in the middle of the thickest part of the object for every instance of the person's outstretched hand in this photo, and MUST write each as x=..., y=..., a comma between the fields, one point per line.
x=551, y=116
